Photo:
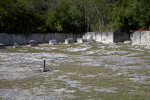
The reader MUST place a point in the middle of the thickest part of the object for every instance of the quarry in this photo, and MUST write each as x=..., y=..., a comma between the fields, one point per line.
x=83, y=70
x=74, y=49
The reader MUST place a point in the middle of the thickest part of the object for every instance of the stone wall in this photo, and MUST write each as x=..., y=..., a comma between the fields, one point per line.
x=108, y=37
x=141, y=38
x=105, y=37
x=10, y=39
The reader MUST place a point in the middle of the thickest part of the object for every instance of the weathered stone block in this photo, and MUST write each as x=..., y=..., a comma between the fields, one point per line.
x=16, y=45
x=91, y=40
x=53, y=42
x=141, y=38
x=127, y=42
x=107, y=37
x=80, y=40
x=98, y=37
x=147, y=47
x=89, y=35
x=69, y=41
x=136, y=38
x=33, y=43
x=2, y=46
x=145, y=38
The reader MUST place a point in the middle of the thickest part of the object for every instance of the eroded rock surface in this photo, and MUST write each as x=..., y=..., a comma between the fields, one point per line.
x=76, y=68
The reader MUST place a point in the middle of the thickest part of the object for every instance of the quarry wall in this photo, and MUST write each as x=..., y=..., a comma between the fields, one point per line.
x=10, y=39
x=108, y=37
x=137, y=38
x=140, y=38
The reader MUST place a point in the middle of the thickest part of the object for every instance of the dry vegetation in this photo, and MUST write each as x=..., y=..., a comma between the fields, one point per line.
x=78, y=72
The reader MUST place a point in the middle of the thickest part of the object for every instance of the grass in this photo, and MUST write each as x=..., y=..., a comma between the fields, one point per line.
x=125, y=87
x=21, y=50
x=103, y=77
x=26, y=83
x=134, y=64
x=142, y=71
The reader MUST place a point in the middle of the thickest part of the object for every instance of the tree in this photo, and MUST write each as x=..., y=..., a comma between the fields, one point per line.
x=76, y=16
x=138, y=14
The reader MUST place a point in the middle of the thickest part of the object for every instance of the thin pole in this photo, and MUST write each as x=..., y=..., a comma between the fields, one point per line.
x=44, y=65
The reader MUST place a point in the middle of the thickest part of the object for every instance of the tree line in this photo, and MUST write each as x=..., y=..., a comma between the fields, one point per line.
x=75, y=16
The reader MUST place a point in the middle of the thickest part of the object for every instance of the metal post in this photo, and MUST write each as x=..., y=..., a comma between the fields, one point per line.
x=44, y=65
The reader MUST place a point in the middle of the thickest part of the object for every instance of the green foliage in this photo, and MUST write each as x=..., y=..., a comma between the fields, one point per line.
x=29, y=16
x=132, y=14
x=53, y=21
x=138, y=13
x=67, y=18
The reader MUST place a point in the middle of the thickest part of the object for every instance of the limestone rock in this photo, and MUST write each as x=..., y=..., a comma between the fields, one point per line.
x=107, y=37
x=80, y=40
x=104, y=37
x=2, y=46
x=136, y=38
x=69, y=41
x=98, y=37
x=16, y=45
x=147, y=47
x=141, y=38
x=53, y=42
x=111, y=44
x=145, y=38
x=91, y=40
x=60, y=43
x=33, y=43
x=89, y=35
x=127, y=42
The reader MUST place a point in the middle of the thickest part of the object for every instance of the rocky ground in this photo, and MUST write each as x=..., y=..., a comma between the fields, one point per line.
x=77, y=71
